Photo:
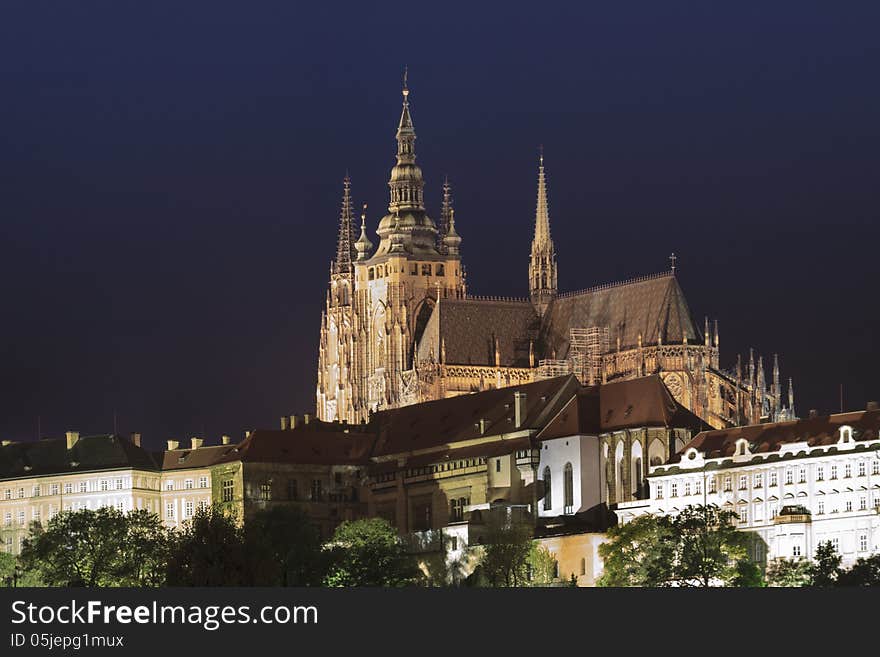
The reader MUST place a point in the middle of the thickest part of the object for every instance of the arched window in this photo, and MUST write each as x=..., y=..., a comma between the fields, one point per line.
x=583, y=566
x=548, y=504
x=568, y=488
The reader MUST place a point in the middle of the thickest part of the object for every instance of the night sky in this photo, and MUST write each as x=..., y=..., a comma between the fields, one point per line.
x=171, y=173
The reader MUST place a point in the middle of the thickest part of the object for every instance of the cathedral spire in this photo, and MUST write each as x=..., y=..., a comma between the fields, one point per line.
x=345, y=243
x=363, y=244
x=452, y=240
x=542, y=265
x=445, y=211
x=791, y=399
x=406, y=178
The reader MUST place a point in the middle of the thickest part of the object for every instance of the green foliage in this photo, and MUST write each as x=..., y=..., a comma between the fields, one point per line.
x=541, y=565
x=639, y=553
x=865, y=572
x=784, y=572
x=825, y=569
x=208, y=551
x=748, y=574
x=369, y=553
x=708, y=546
x=283, y=548
x=103, y=547
x=505, y=550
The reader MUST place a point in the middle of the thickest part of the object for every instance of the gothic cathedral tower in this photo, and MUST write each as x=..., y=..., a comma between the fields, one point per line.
x=542, y=264
x=365, y=360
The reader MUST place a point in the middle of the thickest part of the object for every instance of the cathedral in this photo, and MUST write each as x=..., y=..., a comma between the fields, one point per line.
x=399, y=326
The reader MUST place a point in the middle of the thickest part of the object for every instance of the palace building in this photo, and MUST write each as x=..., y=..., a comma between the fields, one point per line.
x=399, y=326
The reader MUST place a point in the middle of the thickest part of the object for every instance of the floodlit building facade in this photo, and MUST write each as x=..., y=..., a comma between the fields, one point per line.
x=793, y=485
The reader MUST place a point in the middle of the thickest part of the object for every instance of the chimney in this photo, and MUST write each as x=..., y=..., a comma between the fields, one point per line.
x=814, y=413
x=306, y=418
x=873, y=406
x=136, y=439
x=195, y=443
x=484, y=424
x=72, y=437
x=173, y=444
x=519, y=408
x=247, y=434
x=225, y=440
x=285, y=423
x=294, y=421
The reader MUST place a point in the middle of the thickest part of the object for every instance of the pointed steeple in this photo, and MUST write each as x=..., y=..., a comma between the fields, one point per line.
x=406, y=178
x=445, y=210
x=777, y=387
x=345, y=243
x=791, y=399
x=542, y=265
x=452, y=240
x=363, y=246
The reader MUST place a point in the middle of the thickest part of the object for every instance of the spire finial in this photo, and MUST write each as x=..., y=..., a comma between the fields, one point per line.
x=672, y=259
x=541, y=154
x=405, y=87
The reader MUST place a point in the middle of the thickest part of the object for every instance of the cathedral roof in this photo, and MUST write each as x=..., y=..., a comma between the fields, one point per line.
x=469, y=329
x=651, y=307
x=303, y=445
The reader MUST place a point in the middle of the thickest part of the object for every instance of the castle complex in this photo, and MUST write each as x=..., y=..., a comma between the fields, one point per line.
x=400, y=328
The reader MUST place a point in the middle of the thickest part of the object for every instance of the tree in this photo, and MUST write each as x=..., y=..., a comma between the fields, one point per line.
x=865, y=572
x=283, y=549
x=825, y=569
x=102, y=547
x=541, y=565
x=639, y=553
x=369, y=552
x=748, y=574
x=788, y=572
x=708, y=546
x=208, y=551
x=505, y=549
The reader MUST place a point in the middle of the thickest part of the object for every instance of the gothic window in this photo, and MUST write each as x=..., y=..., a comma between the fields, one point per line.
x=439, y=270
x=548, y=503
x=568, y=488
x=371, y=273
x=413, y=269
x=426, y=269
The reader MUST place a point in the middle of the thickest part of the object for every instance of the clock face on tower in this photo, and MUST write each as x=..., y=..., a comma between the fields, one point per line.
x=673, y=382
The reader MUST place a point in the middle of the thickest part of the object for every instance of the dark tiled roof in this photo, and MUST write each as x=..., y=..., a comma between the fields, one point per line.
x=51, y=456
x=770, y=437
x=653, y=307
x=303, y=446
x=470, y=328
x=443, y=422
x=203, y=457
x=642, y=402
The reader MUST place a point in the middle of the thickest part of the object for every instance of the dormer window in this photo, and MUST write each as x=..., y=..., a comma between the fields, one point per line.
x=846, y=434
x=742, y=447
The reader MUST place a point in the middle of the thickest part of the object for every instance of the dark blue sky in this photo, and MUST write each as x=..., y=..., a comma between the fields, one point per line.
x=170, y=178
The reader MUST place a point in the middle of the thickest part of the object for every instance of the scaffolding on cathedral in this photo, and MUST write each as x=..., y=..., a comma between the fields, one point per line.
x=587, y=346
x=549, y=368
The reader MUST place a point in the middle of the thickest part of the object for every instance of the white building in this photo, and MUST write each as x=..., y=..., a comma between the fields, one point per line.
x=793, y=484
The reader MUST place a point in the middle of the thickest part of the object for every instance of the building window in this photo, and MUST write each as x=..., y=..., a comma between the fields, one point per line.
x=188, y=509
x=789, y=476
x=849, y=505
x=426, y=269
x=7, y=520
x=7, y=494
x=68, y=489
x=861, y=468
x=863, y=503
x=120, y=506
x=456, y=509
x=727, y=483
x=169, y=511
x=796, y=550
x=21, y=518
x=266, y=492
x=548, y=498
x=743, y=482
x=20, y=493
x=833, y=472
x=802, y=476
x=773, y=476
x=820, y=473
x=583, y=566
x=774, y=509
x=659, y=491
x=497, y=465
x=713, y=485
x=203, y=505
x=104, y=485
x=37, y=491
x=847, y=471
x=227, y=493
x=316, y=490
x=835, y=543
x=568, y=488
x=83, y=486
x=821, y=508
x=743, y=514
x=863, y=542
x=875, y=467
x=292, y=492
x=169, y=485
x=698, y=487
x=119, y=484
x=203, y=482
x=188, y=484
x=687, y=488
x=673, y=489
x=759, y=480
